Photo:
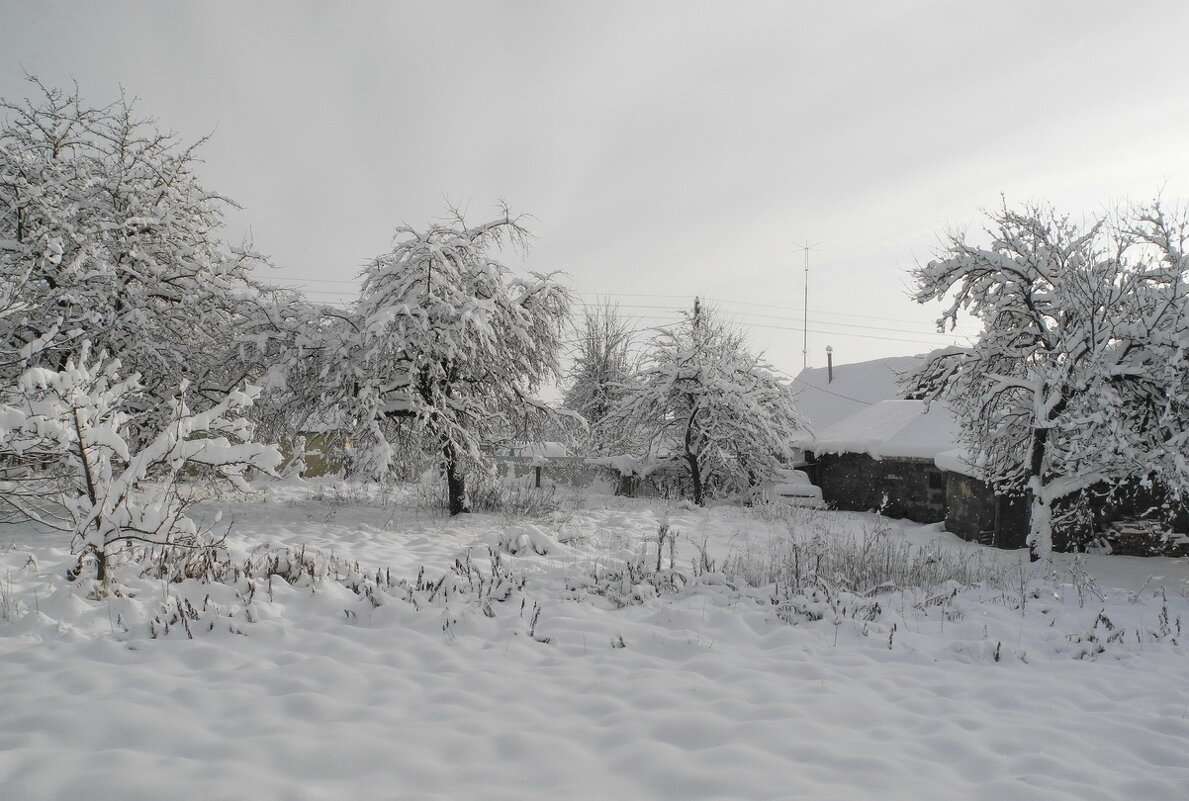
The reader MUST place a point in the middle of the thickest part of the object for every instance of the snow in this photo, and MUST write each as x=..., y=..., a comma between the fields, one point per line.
x=958, y=460
x=625, y=464
x=794, y=486
x=697, y=694
x=854, y=387
x=890, y=429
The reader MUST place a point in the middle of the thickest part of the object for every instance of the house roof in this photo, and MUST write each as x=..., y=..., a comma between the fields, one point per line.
x=855, y=387
x=890, y=429
x=960, y=461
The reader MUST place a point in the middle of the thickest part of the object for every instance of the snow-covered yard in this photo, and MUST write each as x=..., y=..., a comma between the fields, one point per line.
x=586, y=681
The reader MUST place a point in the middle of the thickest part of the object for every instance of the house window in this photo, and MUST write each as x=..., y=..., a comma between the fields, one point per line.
x=935, y=481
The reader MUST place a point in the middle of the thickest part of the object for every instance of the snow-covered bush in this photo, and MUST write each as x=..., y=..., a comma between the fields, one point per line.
x=127, y=325
x=71, y=462
x=867, y=562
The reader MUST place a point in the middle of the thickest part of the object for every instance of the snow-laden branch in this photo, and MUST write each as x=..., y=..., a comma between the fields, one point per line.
x=1080, y=376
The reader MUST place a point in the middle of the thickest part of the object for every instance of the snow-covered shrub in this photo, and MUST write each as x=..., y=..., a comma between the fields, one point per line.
x=72, y=461
x=526, y=538
x=513, y=498
x=633, y=577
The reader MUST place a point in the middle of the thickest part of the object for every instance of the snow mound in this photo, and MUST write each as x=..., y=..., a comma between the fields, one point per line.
x=527, y=538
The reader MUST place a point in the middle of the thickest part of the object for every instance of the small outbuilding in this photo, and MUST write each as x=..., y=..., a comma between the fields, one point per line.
x=883, y=457
x=868, y=451
x=974, y=511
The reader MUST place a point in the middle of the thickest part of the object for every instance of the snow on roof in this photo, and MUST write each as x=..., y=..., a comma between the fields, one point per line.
x=855, y=387
x=890, y=428
x=959, y=461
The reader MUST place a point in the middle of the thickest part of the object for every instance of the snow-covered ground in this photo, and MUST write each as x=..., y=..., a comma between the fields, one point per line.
x=1074, y=685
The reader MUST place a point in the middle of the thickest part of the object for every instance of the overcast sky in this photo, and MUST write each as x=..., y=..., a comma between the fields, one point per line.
x=663, y=149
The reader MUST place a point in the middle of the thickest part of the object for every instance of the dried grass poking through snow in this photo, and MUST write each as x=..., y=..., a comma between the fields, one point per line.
x=752, y=654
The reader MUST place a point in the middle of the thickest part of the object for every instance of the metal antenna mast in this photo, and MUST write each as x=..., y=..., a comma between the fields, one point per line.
x=805, y=320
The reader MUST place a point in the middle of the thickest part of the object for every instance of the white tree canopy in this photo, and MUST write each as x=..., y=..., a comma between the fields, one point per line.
x=1080, y=376
x=128, y=327
x=447, y=347
x=107, y=234
x=703, y=400
x=603, y=366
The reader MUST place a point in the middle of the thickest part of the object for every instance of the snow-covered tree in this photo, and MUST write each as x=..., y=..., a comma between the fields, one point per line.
x=703, y=400
x=106, y=234
x=70, y=461
x=109, y=245
x=602, y=368
x=445, y=349
x=1080, y=377
x=292, y=351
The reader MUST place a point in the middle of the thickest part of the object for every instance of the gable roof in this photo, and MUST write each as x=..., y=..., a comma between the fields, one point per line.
x=890, y=428
x=855, y=387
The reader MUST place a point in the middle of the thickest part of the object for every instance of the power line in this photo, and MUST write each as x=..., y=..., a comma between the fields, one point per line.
x=340, y=300
x=796, y=309
x=932, y=344
x=322, y=280
x=299, y=284
x=947, y=336
x=806, y=385
x=735, y=315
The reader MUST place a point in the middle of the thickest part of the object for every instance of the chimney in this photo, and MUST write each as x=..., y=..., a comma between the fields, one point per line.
x=829, y=364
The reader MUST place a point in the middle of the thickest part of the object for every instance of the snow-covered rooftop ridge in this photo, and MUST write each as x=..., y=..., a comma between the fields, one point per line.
x=890, y=428
x=855, y=386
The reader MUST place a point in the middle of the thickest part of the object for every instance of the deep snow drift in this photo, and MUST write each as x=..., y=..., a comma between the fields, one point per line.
x=488, y=657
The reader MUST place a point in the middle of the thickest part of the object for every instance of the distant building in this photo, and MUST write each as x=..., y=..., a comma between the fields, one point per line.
x=903, y=458
x=883, y=457
x=824, y=399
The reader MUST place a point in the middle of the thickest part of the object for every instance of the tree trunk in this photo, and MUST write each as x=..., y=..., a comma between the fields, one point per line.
x=695, y=475
x=93, y=497
x=1040, y=522
x=692, y=436
x=1040, y=519
x=456, y=481
x=101, y=566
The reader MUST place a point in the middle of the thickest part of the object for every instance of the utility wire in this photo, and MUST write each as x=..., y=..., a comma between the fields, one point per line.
x=798, y=328
x=689, y=298
x=340, y=301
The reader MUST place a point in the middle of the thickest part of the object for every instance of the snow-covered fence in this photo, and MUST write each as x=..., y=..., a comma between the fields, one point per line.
x=581, y=473
x=572, y=471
